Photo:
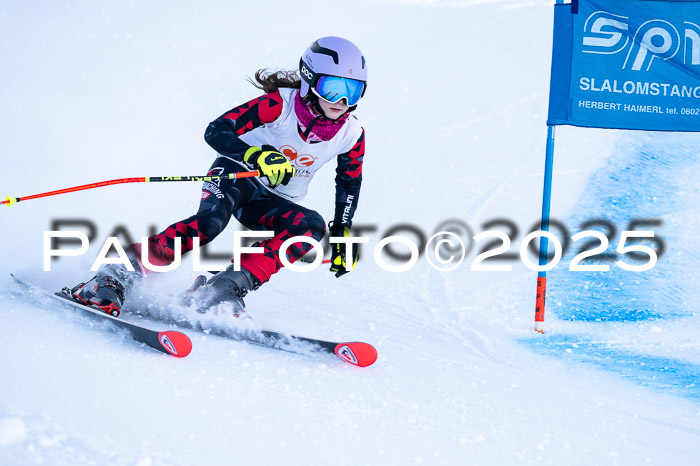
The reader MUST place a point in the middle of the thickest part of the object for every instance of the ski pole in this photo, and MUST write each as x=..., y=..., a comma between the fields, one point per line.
x=153, y=179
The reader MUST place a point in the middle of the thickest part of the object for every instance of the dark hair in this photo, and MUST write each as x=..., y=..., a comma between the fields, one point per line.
x=272, y=81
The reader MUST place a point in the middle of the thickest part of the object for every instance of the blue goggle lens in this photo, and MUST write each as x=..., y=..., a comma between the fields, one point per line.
x=333, y=88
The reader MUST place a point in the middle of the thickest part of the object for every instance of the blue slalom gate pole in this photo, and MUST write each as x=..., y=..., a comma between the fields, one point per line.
x=544, y=226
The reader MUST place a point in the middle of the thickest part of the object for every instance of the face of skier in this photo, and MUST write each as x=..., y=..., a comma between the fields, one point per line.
x=333, y=111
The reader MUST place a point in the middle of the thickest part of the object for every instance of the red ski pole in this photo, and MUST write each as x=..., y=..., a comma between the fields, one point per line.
x=153, y=179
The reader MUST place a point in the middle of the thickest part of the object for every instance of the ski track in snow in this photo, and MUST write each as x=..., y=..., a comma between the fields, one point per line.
x=650, y=335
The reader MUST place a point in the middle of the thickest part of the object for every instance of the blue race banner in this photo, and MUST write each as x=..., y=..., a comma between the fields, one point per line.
x=626, y=64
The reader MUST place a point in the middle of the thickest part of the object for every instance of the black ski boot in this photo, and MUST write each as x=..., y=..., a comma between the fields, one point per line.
x=106, y=290
x=227, y=286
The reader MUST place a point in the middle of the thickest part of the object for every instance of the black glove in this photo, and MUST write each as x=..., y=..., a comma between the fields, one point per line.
x=338, y=263
x=270, y=163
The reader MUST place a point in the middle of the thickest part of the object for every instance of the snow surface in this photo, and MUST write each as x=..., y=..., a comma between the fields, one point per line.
x=455, y=118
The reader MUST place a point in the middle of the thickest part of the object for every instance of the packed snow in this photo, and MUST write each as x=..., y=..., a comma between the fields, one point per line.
x=455, y=117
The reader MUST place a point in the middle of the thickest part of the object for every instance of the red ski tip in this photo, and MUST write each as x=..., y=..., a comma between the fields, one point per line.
x=357, y=353
x=176, y=343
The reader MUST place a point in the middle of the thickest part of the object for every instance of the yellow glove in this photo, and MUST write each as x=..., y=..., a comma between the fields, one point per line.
x=270, y=163
x=338, y=259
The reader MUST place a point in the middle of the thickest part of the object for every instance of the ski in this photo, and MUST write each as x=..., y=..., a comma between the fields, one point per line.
x=179, y=345
x=354, y=352
x=169, y=342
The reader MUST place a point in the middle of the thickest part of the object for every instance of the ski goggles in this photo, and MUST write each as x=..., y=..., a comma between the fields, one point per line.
x=332, y=89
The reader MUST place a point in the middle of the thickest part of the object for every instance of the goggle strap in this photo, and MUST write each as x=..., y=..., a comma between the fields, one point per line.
x=306, y=73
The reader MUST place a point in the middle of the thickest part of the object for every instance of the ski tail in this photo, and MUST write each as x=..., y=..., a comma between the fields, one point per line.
x=357, y=353
x=176, y=343
x=169, y=342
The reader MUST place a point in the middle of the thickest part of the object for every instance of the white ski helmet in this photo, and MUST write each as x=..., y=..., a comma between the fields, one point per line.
x=333, y=57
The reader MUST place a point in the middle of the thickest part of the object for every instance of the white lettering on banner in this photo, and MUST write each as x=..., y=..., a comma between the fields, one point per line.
x=692, y=37
x=599, y=105
x=617, y=107
x=642, y=108
x=639, y=88
x=657, y=38
x=669, y=46
x=610, y=39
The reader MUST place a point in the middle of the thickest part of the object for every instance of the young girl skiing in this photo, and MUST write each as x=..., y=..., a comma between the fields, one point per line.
x=300, y=123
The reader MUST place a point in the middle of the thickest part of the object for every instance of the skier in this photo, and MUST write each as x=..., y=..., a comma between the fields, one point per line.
x=301, y=122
